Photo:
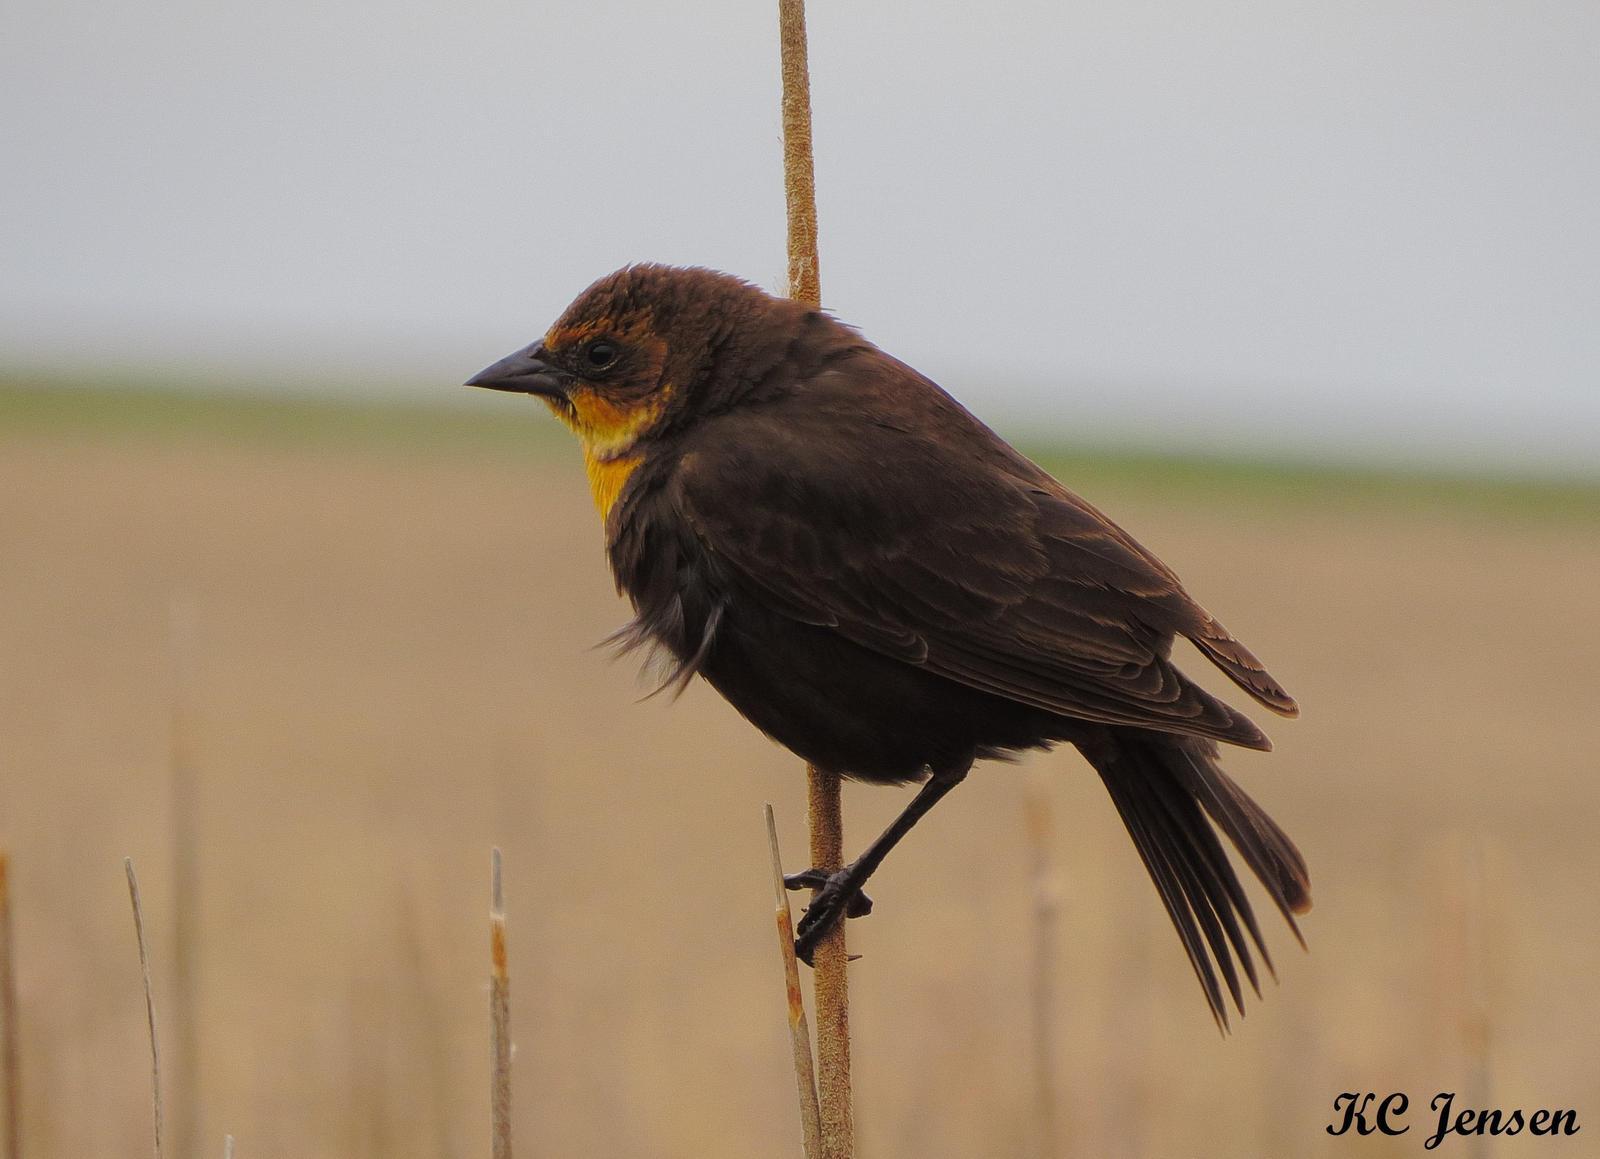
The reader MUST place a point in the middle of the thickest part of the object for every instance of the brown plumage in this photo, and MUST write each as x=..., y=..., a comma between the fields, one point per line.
x=882, y=584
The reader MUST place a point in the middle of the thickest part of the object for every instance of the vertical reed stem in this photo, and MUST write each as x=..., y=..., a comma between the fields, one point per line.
x=10, y=1065
x=830, y=982
x=182, y=1023
x=799, y=179
x=499, y=1015
x=824, y=809
x=149, y=1001
x=1046, y=900
x=1473, y=970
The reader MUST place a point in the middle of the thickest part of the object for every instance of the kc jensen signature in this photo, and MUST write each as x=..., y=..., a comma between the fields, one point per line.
x=1369, y=1114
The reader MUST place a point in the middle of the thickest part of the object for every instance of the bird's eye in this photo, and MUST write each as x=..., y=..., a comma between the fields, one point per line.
x=600, y=354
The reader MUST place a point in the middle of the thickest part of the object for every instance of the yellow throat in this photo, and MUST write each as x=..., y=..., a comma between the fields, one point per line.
x=607, y=477
x=608, y=433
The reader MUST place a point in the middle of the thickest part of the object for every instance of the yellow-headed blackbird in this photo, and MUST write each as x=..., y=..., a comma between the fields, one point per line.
x=879, y=582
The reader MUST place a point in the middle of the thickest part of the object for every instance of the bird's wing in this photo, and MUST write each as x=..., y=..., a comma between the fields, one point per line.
x=937, y=544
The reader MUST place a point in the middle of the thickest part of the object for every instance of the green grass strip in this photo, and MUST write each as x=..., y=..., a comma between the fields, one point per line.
x=511, y=425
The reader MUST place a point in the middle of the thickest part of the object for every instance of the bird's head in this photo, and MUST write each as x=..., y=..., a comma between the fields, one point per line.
x=639, y=353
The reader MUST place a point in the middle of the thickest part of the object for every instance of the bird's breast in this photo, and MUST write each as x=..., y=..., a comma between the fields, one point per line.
x=659, y=563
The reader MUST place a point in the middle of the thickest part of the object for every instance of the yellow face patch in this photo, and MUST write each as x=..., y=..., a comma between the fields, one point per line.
x=608, y=432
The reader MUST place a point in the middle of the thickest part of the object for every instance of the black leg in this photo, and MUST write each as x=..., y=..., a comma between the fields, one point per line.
x=835, y=898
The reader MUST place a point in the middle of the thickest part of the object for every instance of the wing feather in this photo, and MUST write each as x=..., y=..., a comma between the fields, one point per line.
x=932, y=541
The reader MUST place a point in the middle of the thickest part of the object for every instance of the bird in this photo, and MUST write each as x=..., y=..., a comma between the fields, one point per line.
x=883, y=585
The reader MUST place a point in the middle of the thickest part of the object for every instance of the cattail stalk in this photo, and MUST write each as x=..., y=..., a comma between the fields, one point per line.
x=182, y=1023
x=149, y=1002
x=831, y=986
x=799, y=1030
x=799, y=176
x=499, y=1015
x=829, y=980
x=1046, y=901
x=1466, y=984
x=10, y=1064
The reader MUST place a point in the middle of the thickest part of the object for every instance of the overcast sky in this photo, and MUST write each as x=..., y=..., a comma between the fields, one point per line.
x=1353, y=229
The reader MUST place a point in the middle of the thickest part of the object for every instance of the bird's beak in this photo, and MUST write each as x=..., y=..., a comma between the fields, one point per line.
x=525, y=372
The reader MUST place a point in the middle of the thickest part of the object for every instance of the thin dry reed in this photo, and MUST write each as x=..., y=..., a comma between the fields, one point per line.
x=227, y=1147
x=1463, y=968
x=149, y=1002
x=829, y=979
x=499, y=1015
x=1046, y=903
x=1477, y=1029
x=799, y=1031
x=430, y=1029
x=10, y=1065
x=183, y=1044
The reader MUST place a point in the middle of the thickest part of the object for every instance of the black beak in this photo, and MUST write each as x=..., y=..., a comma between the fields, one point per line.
x=525, y=372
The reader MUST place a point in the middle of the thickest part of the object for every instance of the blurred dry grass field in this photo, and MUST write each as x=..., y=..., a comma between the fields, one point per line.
x=392, y=670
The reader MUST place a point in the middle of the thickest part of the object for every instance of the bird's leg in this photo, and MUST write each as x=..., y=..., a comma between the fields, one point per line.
x=837, y=893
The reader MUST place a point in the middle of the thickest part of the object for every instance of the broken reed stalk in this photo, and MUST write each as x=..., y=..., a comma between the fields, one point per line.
x=227, y=1147
x=1046, y=902
x=183, y=1047
x=499, y=1016
x=149, y=1001
x=829, y=980
x=805, y=1077
x=10, y=1065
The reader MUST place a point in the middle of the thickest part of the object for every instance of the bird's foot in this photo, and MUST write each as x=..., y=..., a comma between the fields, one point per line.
x=860, y=904
x=837, y=897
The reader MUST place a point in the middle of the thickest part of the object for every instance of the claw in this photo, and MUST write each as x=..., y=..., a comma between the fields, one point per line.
x=810, y=937
x=837, y=897
x=860, y=904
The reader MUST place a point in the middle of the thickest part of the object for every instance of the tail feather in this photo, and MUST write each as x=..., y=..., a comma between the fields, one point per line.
x=1164, y=787
x=1215, y=878
x=1265, y=847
